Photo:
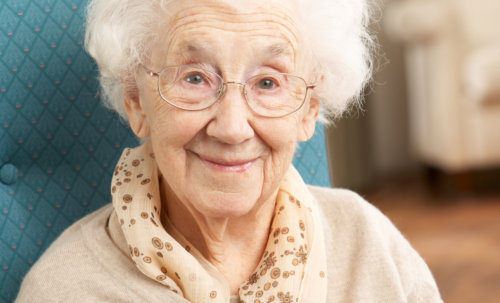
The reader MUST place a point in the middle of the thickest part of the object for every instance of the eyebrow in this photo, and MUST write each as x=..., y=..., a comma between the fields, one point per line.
x=276, y=49
x=191, y=47
x=278, y=53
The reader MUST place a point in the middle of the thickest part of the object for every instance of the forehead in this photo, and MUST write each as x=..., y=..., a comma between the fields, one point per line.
x=205, y=26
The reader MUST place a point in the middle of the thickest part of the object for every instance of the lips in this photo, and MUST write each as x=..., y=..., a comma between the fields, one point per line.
x=224, y=165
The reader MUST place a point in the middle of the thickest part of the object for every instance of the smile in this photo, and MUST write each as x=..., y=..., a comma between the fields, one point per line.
x=221, y=165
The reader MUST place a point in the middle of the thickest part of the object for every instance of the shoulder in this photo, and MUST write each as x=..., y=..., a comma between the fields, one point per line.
x=355, y=223
x=69, y=261
x=340, y=206
x=85, y=265
x=369, y=253
x=334, y=200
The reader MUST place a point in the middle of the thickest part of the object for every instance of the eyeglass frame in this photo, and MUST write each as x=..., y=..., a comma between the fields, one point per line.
x=222, y=91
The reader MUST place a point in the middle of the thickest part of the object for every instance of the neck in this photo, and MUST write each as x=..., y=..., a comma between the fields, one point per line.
x=233, y=245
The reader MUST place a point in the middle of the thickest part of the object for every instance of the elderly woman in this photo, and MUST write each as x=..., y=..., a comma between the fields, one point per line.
x=209, y=208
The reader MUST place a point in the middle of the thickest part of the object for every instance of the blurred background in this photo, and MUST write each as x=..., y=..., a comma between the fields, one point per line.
x=425, y=148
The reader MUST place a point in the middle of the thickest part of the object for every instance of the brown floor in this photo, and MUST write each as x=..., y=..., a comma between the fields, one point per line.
x=457, y=235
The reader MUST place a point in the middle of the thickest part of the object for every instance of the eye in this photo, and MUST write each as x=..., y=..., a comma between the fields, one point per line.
x=266, y=83
x=195, y=78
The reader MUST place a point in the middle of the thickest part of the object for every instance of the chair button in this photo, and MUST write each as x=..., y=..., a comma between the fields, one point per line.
x=8, y=174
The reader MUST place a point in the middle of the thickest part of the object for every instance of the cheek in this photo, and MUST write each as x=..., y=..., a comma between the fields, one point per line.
x=280, y=134
x=281, y=139
x=171, y=131
x=172, y=127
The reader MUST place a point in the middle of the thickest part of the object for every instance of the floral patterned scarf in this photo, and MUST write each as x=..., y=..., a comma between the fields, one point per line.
x=292, y=269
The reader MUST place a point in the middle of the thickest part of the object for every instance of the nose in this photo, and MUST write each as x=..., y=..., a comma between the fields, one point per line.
x=232, y=121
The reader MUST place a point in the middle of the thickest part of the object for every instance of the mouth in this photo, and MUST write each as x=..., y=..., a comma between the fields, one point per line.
x=229, y=166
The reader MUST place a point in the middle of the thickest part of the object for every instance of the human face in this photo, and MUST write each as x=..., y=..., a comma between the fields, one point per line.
x=223, y=161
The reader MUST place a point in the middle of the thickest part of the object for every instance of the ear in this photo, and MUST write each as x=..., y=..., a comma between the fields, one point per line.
x=308, y=123
x=136, y=115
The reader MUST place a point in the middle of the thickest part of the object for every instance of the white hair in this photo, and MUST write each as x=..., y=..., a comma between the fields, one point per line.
x=119, y=34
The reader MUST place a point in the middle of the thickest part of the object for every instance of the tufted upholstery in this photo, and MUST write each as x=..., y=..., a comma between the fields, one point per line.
x=58, y=146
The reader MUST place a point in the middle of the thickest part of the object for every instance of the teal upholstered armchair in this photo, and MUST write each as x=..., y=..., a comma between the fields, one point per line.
x=58, y=145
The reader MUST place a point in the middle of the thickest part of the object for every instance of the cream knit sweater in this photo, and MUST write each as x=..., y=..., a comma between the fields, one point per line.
x=368, y=261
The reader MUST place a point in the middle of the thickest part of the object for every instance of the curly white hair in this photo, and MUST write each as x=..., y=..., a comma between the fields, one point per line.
x=119, y=33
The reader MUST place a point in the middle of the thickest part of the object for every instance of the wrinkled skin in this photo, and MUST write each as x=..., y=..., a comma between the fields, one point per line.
x=221, y=167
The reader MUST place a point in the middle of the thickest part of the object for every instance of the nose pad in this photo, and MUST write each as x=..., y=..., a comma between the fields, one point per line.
x=221, y=91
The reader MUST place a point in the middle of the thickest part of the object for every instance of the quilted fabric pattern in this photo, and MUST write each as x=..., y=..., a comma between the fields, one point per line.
x=52, y=130
x=311, y=159
x=55, y=135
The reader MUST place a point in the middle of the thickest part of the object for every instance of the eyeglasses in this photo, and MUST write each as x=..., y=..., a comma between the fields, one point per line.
x=193, y=88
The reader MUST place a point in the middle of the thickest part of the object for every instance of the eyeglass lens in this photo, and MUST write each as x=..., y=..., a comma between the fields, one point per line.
x=193, y=88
